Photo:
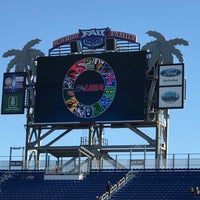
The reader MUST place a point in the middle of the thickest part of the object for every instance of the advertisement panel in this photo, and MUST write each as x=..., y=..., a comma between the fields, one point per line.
x=13, y=93
x=170, y=75
x=171, y=86
x=171, y=97
x=103, y=88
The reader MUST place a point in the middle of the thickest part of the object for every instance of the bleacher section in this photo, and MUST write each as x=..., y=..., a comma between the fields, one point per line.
x=30, y=185
x=144, y=185
x=160, y=185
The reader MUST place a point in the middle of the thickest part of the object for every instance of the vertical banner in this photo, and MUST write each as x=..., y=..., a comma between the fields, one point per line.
x=171, y=86
x=13, y=93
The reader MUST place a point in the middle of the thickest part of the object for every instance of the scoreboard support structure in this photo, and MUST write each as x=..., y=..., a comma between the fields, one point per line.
x=95, y=143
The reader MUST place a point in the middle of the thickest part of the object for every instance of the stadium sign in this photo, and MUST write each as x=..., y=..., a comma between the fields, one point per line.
x=13, y=93
x=170, y=75
x=171, y=86
x=94, y=38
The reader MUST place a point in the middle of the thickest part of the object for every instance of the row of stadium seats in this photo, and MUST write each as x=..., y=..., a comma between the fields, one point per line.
x=30, y=185
x=166, y=185
x=145, y=185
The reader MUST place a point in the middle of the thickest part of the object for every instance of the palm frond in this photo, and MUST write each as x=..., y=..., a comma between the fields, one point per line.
x=12, y=52
x=34, y=53
x=149, y=46
x=19, y=68
x=178, y=54
x=168, y=58
x=154, y=58
x=31, y=43
x=156, y=34
x=178, y=41
x=11, y=64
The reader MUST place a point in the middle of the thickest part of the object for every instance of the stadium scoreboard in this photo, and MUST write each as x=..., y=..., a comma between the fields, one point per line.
x=83, y=88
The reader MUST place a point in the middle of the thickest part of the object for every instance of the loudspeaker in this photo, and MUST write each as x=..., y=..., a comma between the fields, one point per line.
x=110, y=44
x=75, y=46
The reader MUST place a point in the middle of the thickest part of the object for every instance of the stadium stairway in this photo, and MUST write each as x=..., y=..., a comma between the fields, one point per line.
x=30, y=185
x=160, y=185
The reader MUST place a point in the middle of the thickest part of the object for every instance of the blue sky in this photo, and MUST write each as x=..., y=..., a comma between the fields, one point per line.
x=22, y=21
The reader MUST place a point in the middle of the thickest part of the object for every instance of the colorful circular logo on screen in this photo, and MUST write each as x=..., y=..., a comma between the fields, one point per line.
x=89, y=87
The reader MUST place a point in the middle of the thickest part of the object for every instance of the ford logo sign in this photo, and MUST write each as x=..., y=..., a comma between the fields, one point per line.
x=170, y=72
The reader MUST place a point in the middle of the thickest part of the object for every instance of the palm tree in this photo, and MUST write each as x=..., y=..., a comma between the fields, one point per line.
x=162, y=51
x=24, y=61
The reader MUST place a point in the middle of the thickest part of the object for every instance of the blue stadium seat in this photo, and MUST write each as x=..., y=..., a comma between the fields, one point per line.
x=155, y=185
x=145, y=185
x=20, y=188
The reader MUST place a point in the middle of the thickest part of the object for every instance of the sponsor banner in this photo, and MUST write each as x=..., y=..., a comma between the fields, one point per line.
x=171, y=75
x=122, y=35
x=66, y=40
x=170, y=97
x=94, y=38
x=13, y=93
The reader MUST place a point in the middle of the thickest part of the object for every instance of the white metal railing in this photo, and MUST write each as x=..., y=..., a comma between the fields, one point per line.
x=121, y=46
x=119, y=161
x=118, y=185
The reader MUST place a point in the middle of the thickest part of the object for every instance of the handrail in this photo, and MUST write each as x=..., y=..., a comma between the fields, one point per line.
x=5, y=176
x=118, y=185
x=104, y=196
x=121, y=182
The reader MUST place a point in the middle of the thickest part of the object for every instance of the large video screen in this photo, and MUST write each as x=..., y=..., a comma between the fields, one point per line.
x=91, y=88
